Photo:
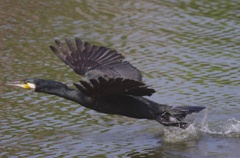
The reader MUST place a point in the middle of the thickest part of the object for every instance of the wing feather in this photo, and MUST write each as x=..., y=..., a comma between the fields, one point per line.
x=86, y=59
x=104, y=87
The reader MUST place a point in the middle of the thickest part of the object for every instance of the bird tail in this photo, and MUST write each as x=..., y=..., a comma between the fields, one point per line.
x=173, y=116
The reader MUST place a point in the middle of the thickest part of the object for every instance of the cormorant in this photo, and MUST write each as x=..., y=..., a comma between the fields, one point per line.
x=111, y=85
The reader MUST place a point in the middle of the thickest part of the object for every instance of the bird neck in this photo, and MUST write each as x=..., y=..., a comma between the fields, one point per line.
x=61, y=90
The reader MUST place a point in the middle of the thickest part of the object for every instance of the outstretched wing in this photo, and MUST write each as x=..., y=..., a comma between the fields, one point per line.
x=103, y=87
x=95, y=61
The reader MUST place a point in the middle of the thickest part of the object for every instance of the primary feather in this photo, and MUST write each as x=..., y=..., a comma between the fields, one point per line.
x=95, y=61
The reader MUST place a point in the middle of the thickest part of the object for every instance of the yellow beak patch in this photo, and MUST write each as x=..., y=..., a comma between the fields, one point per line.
x=29, y=86
x=26, y=86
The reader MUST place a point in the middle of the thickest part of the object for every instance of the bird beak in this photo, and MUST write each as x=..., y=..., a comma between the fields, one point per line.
x=18, y=84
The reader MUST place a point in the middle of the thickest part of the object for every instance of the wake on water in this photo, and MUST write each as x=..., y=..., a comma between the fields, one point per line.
x=228, y=128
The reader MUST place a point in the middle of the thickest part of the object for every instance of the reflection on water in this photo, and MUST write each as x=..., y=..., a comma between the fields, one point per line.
x=188, y=51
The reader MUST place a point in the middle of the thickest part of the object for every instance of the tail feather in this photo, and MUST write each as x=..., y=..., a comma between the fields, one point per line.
x=187, y=109
x=180, y=112
x=173, y=116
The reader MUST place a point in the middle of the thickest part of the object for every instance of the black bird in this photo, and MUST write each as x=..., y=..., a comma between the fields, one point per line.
x=111, y=85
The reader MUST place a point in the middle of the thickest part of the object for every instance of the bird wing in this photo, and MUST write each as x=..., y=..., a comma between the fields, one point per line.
x=100, y=87
x=94, y=61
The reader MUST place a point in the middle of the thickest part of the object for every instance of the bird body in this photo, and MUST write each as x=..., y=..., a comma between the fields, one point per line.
x=112, y=86
x=126, y=105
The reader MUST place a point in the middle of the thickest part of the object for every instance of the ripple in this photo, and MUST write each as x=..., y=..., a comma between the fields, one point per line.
x=187, y=50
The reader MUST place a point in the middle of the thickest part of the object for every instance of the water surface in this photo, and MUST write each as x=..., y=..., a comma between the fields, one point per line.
x=188, y=50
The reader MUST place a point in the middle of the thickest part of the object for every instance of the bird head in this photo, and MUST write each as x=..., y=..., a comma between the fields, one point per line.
x=30, y=83
x=37, y=85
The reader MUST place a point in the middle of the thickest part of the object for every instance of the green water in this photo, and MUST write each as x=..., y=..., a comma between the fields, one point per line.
x=188, y=50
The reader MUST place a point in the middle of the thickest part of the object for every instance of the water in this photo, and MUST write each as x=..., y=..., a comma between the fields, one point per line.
x=187, y=50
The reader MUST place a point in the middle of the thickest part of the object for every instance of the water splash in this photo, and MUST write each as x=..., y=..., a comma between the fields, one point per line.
x=229, y=128
x=192, y=132
x=175, y=135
